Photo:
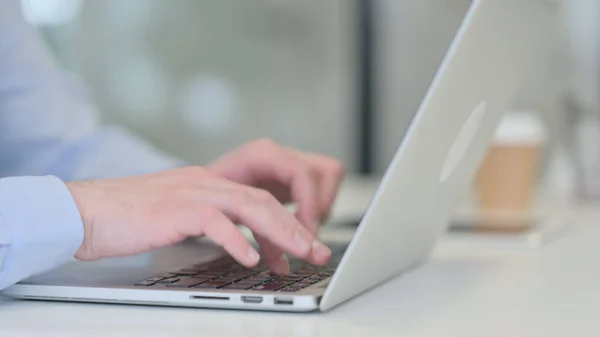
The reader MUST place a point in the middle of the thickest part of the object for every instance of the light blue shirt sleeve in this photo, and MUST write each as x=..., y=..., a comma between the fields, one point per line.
x=40, y=227
x=50, y=133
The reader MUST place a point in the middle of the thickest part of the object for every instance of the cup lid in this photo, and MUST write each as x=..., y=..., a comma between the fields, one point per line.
x=520, y=128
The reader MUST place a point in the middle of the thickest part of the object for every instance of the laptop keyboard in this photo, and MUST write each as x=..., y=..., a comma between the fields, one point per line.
x=226, y=274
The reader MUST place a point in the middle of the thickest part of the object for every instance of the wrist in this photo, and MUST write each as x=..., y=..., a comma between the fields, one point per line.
x=80, y=191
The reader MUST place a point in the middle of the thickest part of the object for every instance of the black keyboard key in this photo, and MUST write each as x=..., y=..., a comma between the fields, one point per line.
x=186, y=283
x=200, y=279
x=212, y=284
x=237, y=286
x=242, y=274
x=200, y=268
x=279, y=276
x=229, y=269
x=291, y=289
x=265, y=273
x=155, y=279
x=169, y=280
x=250, y=282
x=238, y=278
x=304, y=283
x=206, y=285
x=209, y=274
x=186, y=272
x=301, y=274
x=222, y=282
x=259, y=268
x=272, y=286
x=227, y=279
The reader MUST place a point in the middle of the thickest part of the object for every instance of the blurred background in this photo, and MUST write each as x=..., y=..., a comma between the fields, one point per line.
x=199, y=77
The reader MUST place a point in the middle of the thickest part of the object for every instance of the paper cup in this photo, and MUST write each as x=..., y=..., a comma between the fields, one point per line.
x=506, y=184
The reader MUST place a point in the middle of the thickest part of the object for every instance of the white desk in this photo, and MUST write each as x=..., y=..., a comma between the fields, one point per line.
x=467, y=288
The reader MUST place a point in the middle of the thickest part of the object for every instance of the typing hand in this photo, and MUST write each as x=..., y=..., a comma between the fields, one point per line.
x=309, y=180
x=137, y=214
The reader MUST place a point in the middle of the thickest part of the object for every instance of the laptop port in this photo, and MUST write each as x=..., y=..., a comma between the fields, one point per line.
x=209, y=298
x=252, y=299
x=284, y=301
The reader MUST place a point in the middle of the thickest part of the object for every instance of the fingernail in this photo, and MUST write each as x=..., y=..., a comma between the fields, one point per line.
x=253, y=255
x=283, y=259
x=302, y=242
x=320, y=250
x=282, y=266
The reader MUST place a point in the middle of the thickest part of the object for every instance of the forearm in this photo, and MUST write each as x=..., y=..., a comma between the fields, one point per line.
x=40, y=227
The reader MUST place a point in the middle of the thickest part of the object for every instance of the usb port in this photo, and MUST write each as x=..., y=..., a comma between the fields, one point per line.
x=252, y=299
x=284, y=301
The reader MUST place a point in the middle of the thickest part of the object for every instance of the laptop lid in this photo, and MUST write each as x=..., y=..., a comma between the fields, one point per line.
x=444, y=145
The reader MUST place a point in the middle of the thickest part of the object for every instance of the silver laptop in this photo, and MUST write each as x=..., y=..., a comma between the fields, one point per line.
x=431, y=170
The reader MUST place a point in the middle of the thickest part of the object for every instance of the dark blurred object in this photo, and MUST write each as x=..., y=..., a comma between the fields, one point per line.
x=366, y=81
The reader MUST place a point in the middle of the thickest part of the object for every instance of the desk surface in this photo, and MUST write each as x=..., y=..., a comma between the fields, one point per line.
x=469, y=287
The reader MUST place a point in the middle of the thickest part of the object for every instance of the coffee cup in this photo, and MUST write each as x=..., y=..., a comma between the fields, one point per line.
x=506, y=184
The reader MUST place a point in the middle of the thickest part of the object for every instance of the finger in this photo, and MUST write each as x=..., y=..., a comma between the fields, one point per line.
x=303, y=191
x=273, y=167
x=264, y=215
x=290, y=171
x=216, y=226
x=308, y=206
x=330, y=173
x=273, y=256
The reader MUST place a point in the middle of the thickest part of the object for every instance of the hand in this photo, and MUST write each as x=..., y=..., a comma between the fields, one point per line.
x=134, y=215
x=309, y=180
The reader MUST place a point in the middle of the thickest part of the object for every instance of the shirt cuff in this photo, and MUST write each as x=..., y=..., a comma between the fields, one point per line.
x=41, y=223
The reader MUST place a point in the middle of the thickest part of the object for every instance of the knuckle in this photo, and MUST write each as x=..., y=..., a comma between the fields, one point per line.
x=254, y=196
x=209, y=215
x=301, y=166
x=242, y=198
x=281, y=226
x=191, y=173
x=265, y=143
x=337, y=167
x=262, y=196
x=278, y=228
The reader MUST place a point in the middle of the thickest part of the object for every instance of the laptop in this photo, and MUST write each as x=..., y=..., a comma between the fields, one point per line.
x=432, y=169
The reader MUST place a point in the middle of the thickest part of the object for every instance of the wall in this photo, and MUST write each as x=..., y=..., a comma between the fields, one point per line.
x=199, y=77
x=413, y=38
